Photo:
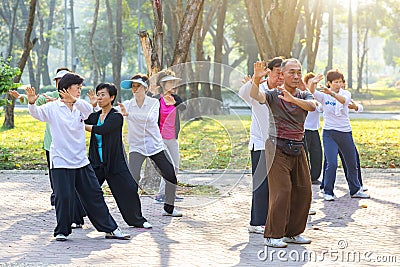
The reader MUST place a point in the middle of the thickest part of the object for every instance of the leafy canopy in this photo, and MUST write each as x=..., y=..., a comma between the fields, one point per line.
x=7, y=74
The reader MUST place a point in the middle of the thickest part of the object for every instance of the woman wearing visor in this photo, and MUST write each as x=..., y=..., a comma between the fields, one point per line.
x=169, y=122
x=144, y=137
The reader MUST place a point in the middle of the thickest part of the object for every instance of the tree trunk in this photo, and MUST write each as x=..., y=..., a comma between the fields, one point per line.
x=188, y=25
x=219, y=38
x=46, y=45
x=12, y=29
x=361, y=59
x=92, y=52
x=116, y=42
x=118, y=50
x=254, y=10
x=313, y=29
x=276, y=37
x=349, y=48
x=28, y=45
x=150, y=55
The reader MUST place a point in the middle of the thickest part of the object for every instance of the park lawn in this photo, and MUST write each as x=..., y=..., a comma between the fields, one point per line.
x=214, y=142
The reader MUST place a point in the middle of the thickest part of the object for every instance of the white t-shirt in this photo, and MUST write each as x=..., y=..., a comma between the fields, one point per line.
x=259, y=118
x=144, y=134
x=67, y=127
x=336, y=115
x=312, y=119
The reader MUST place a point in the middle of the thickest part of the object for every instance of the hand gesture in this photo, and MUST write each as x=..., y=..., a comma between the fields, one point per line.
x=154, y=89
x=286, y=96
x=123, y=109
x=169, y=100
x=353, y=105
x=67, y=97
x=31, y=94
x=246, y=79
x=14, y=94
x=48, y=98
x=317, y=78
x=259, y=70
x=92, y=97
x=326, y=90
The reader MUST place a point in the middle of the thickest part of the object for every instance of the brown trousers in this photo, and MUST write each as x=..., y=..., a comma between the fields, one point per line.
x=289, y=193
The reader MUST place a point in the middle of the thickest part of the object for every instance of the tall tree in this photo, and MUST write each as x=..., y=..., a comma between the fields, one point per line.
x=28, y=45
x=274, y=25
x=91, y=45
x=219, y=38
x=350, y=48
x=116, y=41
x=186, y=30
x=313, y=18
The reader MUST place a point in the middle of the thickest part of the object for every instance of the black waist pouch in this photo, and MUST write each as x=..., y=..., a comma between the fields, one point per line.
x=289, y=147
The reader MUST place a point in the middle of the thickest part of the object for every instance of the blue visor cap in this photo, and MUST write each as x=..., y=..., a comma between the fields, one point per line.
x=127, y=84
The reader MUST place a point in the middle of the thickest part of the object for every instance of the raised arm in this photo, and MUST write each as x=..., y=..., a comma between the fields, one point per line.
x=259, y=72
x=314, y=82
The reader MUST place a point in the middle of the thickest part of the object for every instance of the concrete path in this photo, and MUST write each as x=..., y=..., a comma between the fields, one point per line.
x=213, y=231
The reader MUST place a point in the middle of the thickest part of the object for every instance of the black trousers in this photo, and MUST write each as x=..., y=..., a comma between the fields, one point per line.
x=166, y=169
x=260, y=196
x=79, y=211
x=68, y=182
x=125, y=192
x=52, y=196
x=314, y=153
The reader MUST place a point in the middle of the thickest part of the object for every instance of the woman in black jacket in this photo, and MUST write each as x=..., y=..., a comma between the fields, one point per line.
x=107, y=156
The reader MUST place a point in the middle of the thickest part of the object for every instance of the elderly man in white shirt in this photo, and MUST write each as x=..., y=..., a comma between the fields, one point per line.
x=70, y=167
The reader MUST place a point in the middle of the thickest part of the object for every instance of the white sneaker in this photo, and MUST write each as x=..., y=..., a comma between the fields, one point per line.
x=76, y=225
x=312, y=212
x=328, y=197
x=298, y=239
x=274, y=242
x=61, y=237
x=256, y=229
x=175, y=213
x=117, y=234
x=360, y=194
x=364, y=188
x=147, y=225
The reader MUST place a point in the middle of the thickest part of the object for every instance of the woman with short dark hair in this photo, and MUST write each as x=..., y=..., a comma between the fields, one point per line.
x=107, y=156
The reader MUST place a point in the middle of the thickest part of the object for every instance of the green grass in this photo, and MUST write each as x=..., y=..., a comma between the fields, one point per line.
x=379, y=98
x=216, y=142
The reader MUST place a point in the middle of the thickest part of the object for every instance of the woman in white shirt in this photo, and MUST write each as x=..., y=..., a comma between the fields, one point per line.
x=337, y=133
x=144, y=138
x=69, y=165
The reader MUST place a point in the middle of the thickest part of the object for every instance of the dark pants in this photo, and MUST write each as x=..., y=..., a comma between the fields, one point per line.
x=68, y=182
x=333, y=142
x=345, y=168
x=124, y=190
x=52, y=196
x=79, y=211
x=260, y=197
x=314, y=152
x=166, y=169
x=289, y=193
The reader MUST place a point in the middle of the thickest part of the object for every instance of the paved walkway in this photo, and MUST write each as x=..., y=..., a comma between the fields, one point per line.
x=213, y=231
